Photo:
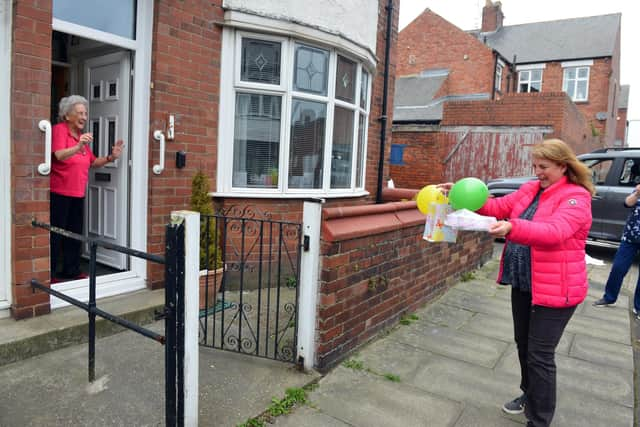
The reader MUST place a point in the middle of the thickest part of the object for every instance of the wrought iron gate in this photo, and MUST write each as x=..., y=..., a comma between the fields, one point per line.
x=249, y=294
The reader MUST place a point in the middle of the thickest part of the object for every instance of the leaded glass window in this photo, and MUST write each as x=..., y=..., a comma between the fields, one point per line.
x=311, y=70
x=260, y=62
x=345, y=79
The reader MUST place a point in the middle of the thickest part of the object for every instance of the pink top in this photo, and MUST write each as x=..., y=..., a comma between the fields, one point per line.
x=69, y=177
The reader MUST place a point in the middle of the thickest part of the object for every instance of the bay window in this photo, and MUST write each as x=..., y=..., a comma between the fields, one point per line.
x=299, y=121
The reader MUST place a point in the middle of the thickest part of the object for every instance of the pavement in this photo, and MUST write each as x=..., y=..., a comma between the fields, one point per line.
x=453, y=364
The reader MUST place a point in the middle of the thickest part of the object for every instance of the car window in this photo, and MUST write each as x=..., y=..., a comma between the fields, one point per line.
x=630, y=175
x=599, y=170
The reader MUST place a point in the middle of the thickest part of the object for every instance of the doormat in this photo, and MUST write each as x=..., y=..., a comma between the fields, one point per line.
x=220, y=305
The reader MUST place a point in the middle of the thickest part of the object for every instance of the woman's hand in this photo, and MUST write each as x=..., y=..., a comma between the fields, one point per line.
x=500, y=228
x=86, y=138
x=445, y=186
x=116, y=150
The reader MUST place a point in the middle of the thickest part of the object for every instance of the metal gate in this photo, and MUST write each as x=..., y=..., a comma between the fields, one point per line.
x=249, y=292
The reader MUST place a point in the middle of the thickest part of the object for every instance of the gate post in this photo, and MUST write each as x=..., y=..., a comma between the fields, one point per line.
x=191, y=221
x=307, y=305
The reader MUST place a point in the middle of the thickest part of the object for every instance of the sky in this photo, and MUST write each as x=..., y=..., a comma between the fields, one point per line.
x=467, y=15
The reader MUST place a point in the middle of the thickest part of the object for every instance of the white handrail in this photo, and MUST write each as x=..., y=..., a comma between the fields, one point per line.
x=159, y=136
x=45, y=168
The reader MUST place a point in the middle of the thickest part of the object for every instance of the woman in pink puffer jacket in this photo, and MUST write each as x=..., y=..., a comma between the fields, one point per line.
x=546, y=223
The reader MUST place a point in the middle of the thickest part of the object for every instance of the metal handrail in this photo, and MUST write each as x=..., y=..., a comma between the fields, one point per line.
x=45, y=168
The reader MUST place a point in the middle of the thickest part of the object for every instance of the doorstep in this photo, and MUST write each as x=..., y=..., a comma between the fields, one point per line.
x=21, y=339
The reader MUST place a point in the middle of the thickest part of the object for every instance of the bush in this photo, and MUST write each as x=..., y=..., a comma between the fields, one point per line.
x=201, y=202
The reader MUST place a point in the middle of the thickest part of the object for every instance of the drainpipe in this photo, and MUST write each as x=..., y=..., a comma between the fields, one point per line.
x=383, y=117
x=495, y=70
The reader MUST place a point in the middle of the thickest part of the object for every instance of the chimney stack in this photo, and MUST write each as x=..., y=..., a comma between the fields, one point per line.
x=491, y=16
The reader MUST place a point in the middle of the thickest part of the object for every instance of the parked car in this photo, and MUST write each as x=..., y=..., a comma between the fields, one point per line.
x=615, y=171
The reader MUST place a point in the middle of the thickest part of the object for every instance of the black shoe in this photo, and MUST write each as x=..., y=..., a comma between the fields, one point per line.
x=515, y=406
x=636, y=314
x=603, y=303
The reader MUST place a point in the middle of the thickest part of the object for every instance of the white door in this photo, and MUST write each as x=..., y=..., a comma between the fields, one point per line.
x=107, y=81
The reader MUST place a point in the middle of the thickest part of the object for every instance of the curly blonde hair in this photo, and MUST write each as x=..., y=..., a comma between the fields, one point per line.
x=560, y=153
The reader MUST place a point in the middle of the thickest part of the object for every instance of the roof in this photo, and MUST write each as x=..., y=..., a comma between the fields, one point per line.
x=414, y=97
x=623, y=101
x=565, y=39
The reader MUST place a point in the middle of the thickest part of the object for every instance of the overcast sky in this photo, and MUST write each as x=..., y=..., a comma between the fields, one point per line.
x=467, y=15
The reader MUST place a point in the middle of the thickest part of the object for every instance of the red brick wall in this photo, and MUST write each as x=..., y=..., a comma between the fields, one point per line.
x=30, y=96
x=368, y=282
x=432, y=42
x=423, y=154
x=185, y=74
x=553, y=109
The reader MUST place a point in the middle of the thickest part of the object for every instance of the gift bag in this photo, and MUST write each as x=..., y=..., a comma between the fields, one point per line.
x=464, y=219
x=435, y=229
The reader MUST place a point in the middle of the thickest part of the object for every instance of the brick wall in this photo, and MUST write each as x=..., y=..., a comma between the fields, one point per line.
x=432, y=42
x=423, y=154
x=30, y=96
x=552, y=109
x=185, y=74
x=369, y=281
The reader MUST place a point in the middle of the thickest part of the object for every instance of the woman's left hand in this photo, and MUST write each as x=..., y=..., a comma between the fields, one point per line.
x=116, y=151
x=500, y=228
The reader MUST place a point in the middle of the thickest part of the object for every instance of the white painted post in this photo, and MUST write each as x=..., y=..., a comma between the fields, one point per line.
x=191, y=313
x=311, y=217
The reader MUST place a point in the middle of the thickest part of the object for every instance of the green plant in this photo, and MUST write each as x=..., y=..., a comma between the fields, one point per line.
x=252, y=422
x=356, y=365
x=201, y=202
x=466, y=276
x=292, y=397
x=408, y=319
x=392, y=377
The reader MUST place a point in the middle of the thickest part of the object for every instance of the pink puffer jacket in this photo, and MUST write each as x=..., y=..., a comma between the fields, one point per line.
x=556, y=234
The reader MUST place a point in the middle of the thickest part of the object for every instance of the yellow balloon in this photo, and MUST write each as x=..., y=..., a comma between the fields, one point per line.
x=426, y=196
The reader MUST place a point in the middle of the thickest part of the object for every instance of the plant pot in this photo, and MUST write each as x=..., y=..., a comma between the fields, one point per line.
x=210, y=281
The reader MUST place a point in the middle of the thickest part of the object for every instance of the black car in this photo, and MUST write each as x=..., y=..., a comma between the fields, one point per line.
x=614, y=172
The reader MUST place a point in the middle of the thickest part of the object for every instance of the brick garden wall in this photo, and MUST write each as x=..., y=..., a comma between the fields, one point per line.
x=371, y=275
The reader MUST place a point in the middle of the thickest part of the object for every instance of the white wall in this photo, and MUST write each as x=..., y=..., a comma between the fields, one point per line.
x=356, y=20
x=5, y=152
x=633, y=133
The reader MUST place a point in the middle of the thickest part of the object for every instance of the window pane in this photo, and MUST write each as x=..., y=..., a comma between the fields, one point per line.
x=256, y=140
x=536, y=75
x=534, y=87
x=570, y=73
x=571, y=89
x=583, y=72
x=342, y=148
x=582, y=90
x=114, y=16
x=306, y=147
x=362, y=131
x=311, y=70
x=260, y=61
x=364, y=88
x=524, y=87
x=345, y=78
x=524, y=75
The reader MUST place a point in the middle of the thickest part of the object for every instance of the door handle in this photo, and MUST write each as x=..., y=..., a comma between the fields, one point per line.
x=45, y=168
x=159, y=136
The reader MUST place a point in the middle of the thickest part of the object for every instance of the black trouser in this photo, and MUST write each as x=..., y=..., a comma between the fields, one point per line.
x=537, y=331
x=66, y=212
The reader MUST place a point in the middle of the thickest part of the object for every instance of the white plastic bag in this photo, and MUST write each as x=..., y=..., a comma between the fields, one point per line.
x=464, y=219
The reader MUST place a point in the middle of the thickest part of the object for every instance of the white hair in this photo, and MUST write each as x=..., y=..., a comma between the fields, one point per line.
x=68, y=102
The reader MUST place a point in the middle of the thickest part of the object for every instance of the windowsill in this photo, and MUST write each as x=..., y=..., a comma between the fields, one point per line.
x=261, y=195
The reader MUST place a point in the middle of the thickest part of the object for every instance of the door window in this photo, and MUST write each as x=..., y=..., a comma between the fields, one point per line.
x=114, y=16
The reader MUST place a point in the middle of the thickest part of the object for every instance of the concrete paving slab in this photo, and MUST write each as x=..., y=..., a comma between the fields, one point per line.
x=362, y=399
x=456, y=344
x=444, y=315
x=476, y=417
x=309, y=417
x=478, y=304
x=579, y=409
x=52, y=389
x=490, y=326
x=589, y=326
x=387, y=356
x=479, y=287
x=603, y=353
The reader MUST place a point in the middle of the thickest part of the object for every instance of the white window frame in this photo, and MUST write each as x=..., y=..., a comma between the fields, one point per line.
x=231, y=73
x=577, y=66
x=498, y=77
x=5, y=157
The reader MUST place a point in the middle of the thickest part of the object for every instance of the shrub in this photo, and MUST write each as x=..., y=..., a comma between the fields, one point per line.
x=201, y=202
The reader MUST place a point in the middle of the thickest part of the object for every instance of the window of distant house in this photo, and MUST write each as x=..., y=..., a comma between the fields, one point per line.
x=575, y=83
x=498, y=82
x=397, y=154
x=530, y=80
x=300, y=118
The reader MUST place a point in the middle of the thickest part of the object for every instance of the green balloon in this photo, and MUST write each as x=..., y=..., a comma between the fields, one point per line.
x=468, y=193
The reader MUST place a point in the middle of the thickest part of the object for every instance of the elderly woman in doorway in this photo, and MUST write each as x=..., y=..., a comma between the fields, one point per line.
x=546, y=223
x=72, y=157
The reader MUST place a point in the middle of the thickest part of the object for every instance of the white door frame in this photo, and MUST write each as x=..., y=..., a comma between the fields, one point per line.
x=5, y=158
x=141, y=48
